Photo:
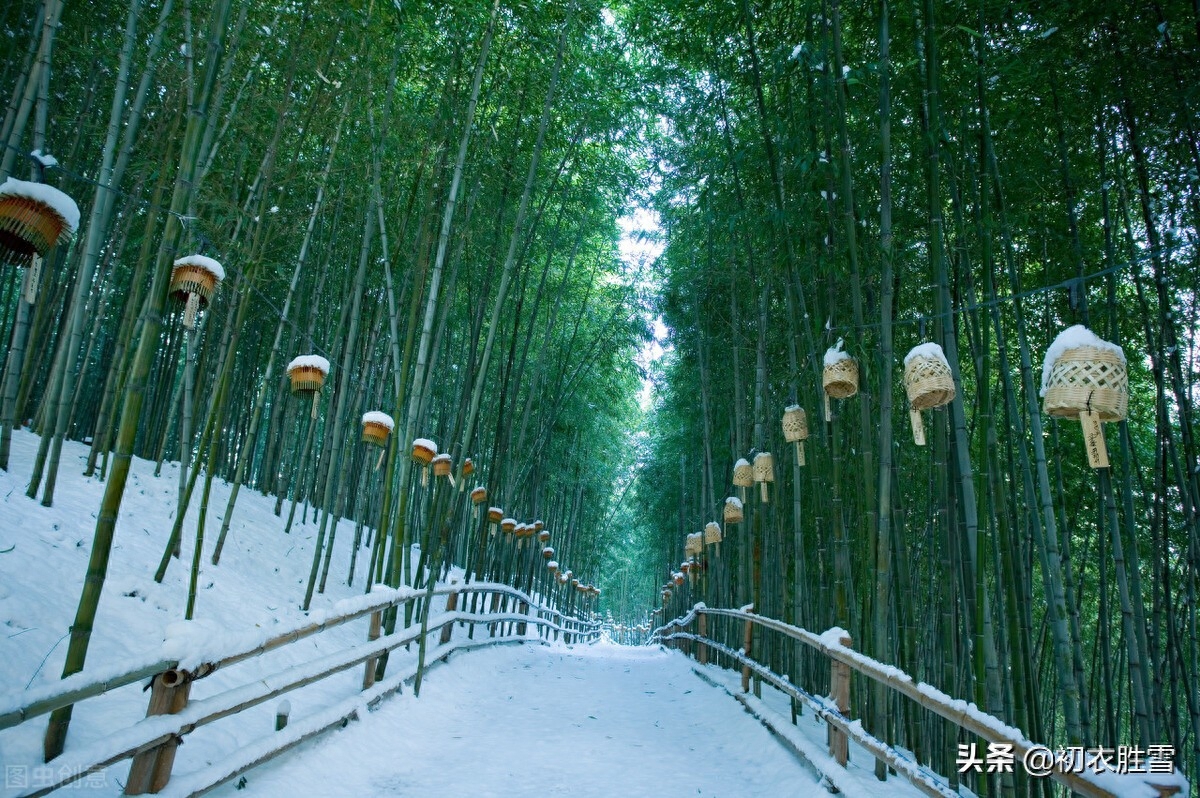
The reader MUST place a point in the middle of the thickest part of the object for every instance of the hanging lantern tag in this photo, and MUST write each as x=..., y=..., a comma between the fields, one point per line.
x=1093, y=439
x=828, y=410
x=451, y=478
x=316, y=400
x=763, y=492
x=33, y=276
x=424, y=476
x=918, y=425
x=379, y=462
x=190, y=311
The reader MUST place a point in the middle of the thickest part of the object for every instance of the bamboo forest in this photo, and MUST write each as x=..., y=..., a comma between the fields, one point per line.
x=844, y=355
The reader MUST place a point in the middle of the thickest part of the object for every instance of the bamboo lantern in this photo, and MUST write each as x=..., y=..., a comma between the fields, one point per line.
x=495, y=515
x=928, y=382
x=795, y=429
x=547, y=553
x=734, y=514
x=307, y=375
x=552, y=567
x=840, y=377
x=712, y=533
x=1087, y=378
x=194, y=281
x=538, y=525
x=508, y=525
x=423, y=452
x=543, y=536
x=743, y=476
x=444, y=467
x=468, y=468
x=377, y=427
x=580, y=588
x=764, y=472
x=685, y=566
x=677, y=578
x=693, y=544
x=34, y=217
x=478, y=495
x=562, y=578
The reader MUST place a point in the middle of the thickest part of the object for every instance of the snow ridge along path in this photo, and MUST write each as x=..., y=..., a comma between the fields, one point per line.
x=600, y=720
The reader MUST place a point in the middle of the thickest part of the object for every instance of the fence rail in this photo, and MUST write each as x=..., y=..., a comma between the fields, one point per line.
x=835, y=645
x=151, y=742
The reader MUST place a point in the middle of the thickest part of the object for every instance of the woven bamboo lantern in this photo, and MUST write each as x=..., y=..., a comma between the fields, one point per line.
x=1087, y=378
x=423, y=452
x=795, y=429
x=478, y=495
x=377, y=427
x=579, y=588
x=712, y=533
x=734, y=514
x=307, y=375
x=194, y=281
x=468, y=468
x=509, y=525
x=495, y=516
x=685, y=566
x=543, y=535
x=693, y=544
x=928, y=382
x=677, y=578
x=547, y=553
x=552, y=567
x=840, y=377
x=743, y=473
x=539, y=525
x=34, y=217
x=444, y=467
x=562, y=578
x=764, y=472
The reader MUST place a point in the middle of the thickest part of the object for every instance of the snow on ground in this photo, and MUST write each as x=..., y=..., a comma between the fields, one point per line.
x=583, y=721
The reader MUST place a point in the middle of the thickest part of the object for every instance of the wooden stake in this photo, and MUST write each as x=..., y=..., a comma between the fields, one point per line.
x=151, y=770
x=918, y=426
x=281, y=714
x=33, y=276
x=839, y=691
x=372, y=634
x=451, y=606
x=702, y=628
x=1093, y=439
x=747, y=639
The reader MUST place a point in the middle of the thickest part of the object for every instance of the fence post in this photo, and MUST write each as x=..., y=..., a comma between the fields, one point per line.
x=702, y=628
x=151, y=769
x=373, y=633
x=839, y=691
x=747, y=639
x=451, y=606
x=522, y=627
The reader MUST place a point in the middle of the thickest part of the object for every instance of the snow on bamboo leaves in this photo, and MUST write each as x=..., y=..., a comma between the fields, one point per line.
x=928, y=381
x=194, y=281
x=1086, y=377
x=34, y=218
x=307, y=375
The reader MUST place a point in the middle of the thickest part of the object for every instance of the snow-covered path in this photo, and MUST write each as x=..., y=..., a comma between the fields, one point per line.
x=599, y=720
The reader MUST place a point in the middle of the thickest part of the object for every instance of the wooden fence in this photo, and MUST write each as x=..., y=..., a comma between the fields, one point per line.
x=502, y=613
x=835, y=708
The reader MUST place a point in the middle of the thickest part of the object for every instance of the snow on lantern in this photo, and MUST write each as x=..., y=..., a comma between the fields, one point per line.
x=1087, y=378
x=34, y=217
x=543, y=535
x=423, y=452
x=307, y=376
x=509, y=525
x=795, y=429
x=478, y=495
x=734, y=513
x=928, y=382
x=552, y=566
x=547, y=553
x=840, y=377
x=495, y=516
x=677, y=578
x=712, y=533
x=743, y=474
x=764, y=472
x=693, y=544
x=194, y=281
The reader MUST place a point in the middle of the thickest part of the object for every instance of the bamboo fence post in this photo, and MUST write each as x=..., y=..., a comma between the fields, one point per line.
x=702, y=627
x=451, y=606
x=522, y=626
x=839, y=691
x=282, y=712
x=747, y=639
x=150, y=770
x=372, y=634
